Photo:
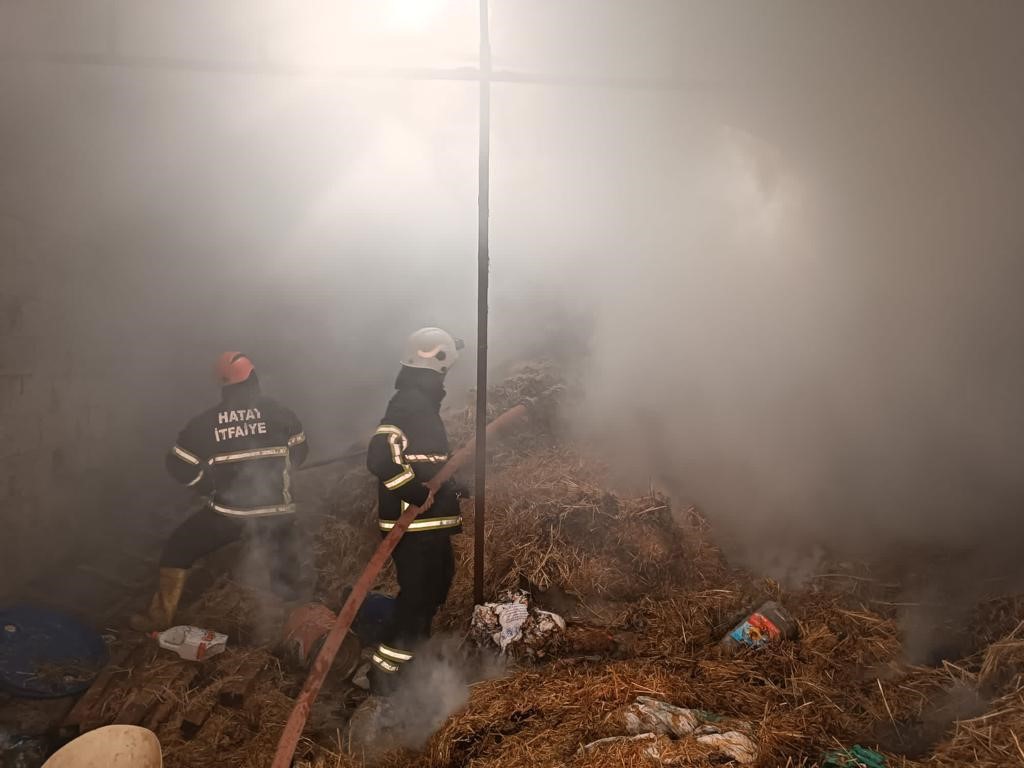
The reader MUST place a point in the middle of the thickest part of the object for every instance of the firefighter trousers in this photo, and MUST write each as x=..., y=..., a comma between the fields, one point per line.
x=206, y=531
x=426, y=566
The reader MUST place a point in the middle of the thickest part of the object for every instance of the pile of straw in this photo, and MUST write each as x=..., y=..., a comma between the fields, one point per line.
x=341, y=552
x=550, y=525
x=630, y=566
x=249, y=615
x=539, y=384
x=842, y=682
x=994, y=739
x=832, y=687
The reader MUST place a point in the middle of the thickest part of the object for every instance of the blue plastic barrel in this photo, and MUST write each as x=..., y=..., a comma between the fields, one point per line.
x=45, y=653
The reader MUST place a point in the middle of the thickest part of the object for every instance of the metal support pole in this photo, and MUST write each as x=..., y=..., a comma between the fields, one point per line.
x=483, y=275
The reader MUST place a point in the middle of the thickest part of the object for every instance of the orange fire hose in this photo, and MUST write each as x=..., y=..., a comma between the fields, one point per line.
x=318, y=672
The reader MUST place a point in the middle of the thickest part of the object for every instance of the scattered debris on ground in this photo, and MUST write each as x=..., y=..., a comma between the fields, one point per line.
x=638, y=676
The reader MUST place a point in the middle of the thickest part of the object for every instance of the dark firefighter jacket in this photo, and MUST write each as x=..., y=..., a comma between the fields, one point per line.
x=409, y=448
x=242, y=452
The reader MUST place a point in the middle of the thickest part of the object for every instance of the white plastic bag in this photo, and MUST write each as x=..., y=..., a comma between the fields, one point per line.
x=514, y=624
x=192, y=643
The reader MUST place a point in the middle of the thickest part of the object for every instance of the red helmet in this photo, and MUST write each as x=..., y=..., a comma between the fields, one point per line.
x=233, y=368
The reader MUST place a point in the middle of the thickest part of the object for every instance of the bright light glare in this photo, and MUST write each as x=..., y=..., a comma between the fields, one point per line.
x=413, y=16
x=375, y=33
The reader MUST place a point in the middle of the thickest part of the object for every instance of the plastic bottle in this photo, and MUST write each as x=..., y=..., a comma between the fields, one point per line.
x=768, y=624
x=192, y=643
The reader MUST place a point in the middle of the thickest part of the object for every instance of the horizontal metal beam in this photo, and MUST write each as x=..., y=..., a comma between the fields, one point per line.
x=427, y=74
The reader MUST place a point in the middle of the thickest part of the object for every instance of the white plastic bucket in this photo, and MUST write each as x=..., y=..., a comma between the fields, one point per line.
x=113, y=746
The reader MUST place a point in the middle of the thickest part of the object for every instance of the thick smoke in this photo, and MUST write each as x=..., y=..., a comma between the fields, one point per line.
x=786, y=263
x=804, y=318
x=436, y=686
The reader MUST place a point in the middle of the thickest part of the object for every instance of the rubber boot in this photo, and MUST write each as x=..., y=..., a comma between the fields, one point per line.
x=164, y=604
x=382, y=684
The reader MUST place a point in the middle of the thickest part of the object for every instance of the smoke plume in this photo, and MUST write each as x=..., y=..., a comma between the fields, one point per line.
x=782, y=244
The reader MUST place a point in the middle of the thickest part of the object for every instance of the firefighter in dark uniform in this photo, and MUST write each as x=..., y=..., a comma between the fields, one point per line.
x=240, y=455
x=409, y=447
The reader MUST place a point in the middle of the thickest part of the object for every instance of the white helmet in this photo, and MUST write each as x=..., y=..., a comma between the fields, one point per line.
x=432, y=348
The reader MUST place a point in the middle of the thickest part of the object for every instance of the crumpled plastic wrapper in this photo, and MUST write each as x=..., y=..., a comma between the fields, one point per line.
x=736, y=745
x=647, y=715
x=516, y=627
x=656, y=721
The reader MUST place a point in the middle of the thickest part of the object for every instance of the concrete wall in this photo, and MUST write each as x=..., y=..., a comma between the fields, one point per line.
x=54, y=421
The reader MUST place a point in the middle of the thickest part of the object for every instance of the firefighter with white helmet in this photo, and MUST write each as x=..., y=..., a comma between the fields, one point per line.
x=433, y=349
x=408, y=449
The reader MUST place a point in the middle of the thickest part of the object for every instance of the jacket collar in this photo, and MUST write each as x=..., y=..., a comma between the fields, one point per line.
x=429, y=383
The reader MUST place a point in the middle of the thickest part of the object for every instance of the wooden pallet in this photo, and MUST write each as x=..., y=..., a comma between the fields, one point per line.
x=144, y=685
